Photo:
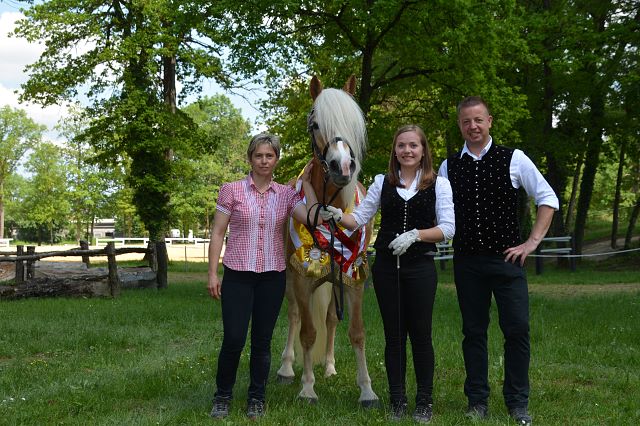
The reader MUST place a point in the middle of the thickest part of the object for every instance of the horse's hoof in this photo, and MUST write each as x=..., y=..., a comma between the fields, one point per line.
x=310, y=401
x=372, y=403
x=285, y=380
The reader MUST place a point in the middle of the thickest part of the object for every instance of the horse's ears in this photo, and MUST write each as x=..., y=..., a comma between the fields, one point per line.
x=315, y=87
x=350, y=85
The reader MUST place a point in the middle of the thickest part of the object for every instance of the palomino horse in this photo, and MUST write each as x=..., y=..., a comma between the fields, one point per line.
x=338, y=139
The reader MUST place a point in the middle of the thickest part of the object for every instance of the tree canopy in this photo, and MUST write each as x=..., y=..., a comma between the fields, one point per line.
x=561, y=78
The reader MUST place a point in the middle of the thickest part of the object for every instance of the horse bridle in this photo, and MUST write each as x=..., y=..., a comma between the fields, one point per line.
x=312, y=126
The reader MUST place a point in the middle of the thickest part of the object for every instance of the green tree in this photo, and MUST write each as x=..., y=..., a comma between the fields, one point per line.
x=90, y=186
x=200, y=178
x=414, y=60
x=117, y=50
x=18, y=134
x=45, y=205
x=599, y=47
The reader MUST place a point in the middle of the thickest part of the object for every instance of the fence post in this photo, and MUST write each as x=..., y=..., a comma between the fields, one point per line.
x=114, y=283
x=572, y=260
x=163, y=263
x=19, y=265
x=538, y=260
x=30, y=263
x=84, y=245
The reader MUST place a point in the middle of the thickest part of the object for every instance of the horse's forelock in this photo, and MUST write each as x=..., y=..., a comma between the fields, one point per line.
x=338, y=114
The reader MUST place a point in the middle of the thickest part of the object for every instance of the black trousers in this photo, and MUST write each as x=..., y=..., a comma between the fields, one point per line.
x=477, y=278
x=248, y=296
x=405, y=298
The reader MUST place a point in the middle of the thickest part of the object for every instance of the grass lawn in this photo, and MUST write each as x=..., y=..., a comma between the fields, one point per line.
x=149, y=358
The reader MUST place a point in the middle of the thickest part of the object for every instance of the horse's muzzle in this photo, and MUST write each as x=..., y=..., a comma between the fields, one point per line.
x=339, y=179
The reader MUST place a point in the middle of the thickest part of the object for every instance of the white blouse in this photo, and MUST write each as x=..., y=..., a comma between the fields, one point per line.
x=445, y=216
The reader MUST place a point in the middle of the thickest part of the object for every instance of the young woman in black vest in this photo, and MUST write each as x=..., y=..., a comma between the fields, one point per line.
x=416, y=212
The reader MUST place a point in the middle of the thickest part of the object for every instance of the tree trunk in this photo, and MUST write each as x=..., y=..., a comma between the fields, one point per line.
x=574, y=192
x=632, y=224
x=77, y=285
x=594, y=145
x=162, y=259
x=1, y=209
x=616, y=199
x=79, y=236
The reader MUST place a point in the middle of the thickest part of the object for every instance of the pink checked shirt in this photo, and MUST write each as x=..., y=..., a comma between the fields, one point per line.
x=256, y=224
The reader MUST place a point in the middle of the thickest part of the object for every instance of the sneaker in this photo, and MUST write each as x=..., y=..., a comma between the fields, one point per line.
x=423, y=412
x=477, y=411
x=398, y=410
x=220, y=408
x=255, y=408
x=520, y=415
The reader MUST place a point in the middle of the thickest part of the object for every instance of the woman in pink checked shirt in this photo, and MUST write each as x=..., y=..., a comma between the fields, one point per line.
x=256, y=209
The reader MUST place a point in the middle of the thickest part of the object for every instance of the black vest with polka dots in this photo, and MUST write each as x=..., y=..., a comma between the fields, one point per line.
x=485, y=202
x=398, y=216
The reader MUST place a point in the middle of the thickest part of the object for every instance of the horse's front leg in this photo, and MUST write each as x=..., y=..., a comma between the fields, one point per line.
x=285, y=372
x=307, y=339
x=368, y=398
x=332, y=324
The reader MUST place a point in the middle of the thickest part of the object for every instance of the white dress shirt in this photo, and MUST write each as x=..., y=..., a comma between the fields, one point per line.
x=445, y=216
x=522, y=172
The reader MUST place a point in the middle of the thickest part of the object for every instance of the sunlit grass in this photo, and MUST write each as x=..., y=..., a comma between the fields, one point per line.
x=148, y=357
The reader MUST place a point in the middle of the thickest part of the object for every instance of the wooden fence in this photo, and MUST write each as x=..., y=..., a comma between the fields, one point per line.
x=156, y=253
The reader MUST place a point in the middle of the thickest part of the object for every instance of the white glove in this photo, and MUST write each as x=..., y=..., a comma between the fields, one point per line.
x=330, y=212
x=402, y=242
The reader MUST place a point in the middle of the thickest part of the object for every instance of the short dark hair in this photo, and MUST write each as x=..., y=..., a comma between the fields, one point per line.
x=471, y=101
x=264, y=138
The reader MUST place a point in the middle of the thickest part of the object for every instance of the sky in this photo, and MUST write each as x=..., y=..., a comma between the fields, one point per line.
x=16, y=53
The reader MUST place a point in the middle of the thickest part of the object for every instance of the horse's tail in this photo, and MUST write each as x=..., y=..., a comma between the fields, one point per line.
x=320, y=301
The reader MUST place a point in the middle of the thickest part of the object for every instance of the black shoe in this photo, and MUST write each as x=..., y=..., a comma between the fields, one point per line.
x=220, y=408
x=477, y=411
x=398, y=410
x=423, y=412
x=520, y=415
x=255, y=408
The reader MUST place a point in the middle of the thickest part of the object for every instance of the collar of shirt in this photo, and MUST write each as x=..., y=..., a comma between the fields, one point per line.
x=465, y=150
x=407, y=193
x=252, y=184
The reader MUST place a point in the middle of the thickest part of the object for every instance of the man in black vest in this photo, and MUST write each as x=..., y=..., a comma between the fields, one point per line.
x=489, y=255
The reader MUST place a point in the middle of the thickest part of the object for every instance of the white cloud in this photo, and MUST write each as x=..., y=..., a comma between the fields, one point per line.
x=16, y=53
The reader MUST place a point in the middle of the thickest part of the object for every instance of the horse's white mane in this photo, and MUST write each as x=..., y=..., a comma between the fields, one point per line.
x=337, y=114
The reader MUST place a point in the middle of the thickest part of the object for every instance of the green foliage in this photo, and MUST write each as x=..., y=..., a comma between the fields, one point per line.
x=132, y=112
x=199, y=177
x=413, y=60
x=45, y=204
x=91, y=187
x=561, y=77
x=18, y=134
